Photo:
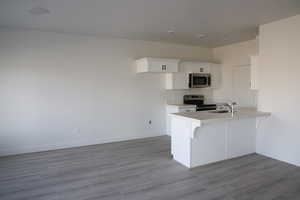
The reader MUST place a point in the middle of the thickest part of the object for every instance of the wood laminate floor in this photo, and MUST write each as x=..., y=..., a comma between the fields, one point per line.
x=141, y=170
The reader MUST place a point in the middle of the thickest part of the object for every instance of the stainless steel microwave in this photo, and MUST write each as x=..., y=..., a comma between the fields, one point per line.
x=199, y=80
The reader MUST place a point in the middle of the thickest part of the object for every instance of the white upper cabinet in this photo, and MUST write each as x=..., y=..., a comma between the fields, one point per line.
x=216, y=75
x=177, y=74
x=254, y=85
x=195, y=67
x=158, y=65
x=177, y=81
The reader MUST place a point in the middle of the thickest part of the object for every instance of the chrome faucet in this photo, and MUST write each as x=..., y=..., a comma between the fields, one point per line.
x=231, y=106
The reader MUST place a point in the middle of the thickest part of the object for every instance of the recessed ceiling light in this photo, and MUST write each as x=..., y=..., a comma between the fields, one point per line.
x=39, y=11
x=199, y=36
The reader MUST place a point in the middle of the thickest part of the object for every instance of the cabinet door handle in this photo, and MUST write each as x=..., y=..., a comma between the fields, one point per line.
x=164, y=67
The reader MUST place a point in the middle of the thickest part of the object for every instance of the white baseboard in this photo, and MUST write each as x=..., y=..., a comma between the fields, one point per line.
x=64, y=145
x=280, y=159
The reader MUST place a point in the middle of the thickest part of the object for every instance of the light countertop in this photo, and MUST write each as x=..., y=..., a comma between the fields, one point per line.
x=182, y=105
x=209, y=117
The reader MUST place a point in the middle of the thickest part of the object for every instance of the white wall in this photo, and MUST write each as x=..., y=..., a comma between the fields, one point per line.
x=59, y=90
x=279, y=70
x=231, y=57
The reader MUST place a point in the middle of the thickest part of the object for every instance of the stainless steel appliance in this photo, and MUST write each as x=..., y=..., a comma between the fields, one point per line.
x=199, y=80
x=198, y=100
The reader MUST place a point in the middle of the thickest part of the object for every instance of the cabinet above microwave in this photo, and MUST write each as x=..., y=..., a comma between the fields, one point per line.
x=195, y=67
x=158, y=65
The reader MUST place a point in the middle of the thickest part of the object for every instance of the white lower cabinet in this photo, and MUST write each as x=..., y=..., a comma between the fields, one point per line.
x=209, y=145
x=241, y=137
x=212, y=142
x=221, y=141
x=177, y=109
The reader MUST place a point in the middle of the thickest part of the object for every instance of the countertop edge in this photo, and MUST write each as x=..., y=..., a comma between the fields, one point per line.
x=212, y=120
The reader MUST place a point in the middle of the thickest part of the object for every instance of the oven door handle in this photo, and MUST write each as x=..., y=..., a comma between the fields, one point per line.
x=191, y=82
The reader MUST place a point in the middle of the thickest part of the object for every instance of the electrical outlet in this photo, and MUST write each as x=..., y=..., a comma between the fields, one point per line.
x=149, y=124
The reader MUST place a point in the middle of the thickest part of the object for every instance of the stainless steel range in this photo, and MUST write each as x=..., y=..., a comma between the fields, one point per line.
x=198, y=100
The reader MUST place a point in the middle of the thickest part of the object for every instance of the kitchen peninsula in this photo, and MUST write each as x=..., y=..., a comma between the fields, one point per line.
x=200, y=138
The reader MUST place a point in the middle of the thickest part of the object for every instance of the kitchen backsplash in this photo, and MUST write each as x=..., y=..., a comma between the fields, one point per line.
x=176, y=96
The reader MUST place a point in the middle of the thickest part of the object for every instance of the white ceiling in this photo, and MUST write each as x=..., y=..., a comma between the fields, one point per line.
x=223, y=21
